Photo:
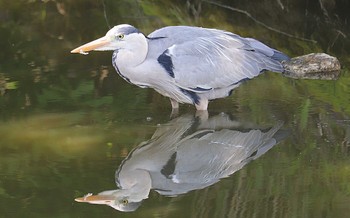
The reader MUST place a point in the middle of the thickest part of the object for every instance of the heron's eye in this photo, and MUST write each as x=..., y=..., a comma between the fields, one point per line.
x=124, y=201
x=121, y=36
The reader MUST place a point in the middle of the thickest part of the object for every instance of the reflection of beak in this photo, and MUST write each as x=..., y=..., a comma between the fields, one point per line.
x=94, y=45
x=95, y=199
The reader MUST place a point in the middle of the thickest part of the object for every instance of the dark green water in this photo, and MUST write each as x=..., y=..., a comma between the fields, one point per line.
x=68, y=121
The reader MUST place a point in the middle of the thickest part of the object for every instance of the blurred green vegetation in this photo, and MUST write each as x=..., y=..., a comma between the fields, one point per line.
x=65, y=117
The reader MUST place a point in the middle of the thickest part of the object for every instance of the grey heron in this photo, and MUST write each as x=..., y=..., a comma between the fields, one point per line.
x=187, y=64
x=183, y=155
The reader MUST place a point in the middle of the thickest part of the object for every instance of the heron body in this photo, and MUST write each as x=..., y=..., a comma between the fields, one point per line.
x=187, y=64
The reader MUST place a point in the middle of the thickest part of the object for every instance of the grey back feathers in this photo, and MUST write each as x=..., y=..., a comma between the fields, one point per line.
x=210, y=58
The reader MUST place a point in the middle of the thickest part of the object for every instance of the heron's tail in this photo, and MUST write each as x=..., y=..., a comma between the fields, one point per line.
x=279, y=56
x=274, y=63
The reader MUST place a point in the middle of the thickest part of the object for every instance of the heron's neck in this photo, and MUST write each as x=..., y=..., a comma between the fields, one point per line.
x=134, y=53
x=138, y=182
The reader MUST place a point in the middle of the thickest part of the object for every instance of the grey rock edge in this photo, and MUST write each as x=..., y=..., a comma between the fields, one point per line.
x=319, y=66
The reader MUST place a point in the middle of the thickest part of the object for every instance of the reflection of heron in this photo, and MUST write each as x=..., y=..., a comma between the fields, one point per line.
x=187, y=64
x=185, y=155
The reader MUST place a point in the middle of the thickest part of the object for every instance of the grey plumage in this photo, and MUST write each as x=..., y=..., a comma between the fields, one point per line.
x=187, y=154
x=188, y=64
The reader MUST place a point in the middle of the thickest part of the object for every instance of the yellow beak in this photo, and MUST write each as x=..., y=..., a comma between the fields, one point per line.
x=96, y=44
x=95, y=199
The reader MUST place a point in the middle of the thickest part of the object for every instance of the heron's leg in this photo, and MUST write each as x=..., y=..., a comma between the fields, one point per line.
x=202, y=115
x=174, y=104
x=175, y=108
x=174, y=113
x=202, y=105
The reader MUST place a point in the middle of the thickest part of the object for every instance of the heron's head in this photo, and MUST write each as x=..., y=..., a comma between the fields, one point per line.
x=123, y=36
x=118, y=199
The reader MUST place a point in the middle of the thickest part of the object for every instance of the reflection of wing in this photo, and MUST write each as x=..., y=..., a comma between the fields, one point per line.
x=206, y=152
x=210, y=155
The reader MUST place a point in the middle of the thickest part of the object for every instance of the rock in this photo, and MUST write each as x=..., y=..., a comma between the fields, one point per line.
x=312, y=66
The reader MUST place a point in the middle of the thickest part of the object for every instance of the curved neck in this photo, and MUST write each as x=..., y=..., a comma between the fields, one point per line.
x=138, y=182
x=134, y=53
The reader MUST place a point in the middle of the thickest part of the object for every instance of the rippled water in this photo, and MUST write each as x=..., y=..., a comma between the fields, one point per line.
x=69, y=123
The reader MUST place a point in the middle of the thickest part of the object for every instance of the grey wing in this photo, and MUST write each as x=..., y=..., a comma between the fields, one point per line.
x=207, y=155
x=218, y=61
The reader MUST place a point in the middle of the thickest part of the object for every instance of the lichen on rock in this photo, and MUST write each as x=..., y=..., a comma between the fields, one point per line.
x=312, y=66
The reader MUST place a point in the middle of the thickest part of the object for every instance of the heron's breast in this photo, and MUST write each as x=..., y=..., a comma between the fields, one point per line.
x=117, y=69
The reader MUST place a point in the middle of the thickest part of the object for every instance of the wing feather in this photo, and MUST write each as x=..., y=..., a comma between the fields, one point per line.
x=219, y=61
x=205, y=59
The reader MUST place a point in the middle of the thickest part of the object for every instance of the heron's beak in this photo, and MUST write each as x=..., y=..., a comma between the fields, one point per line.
x=97, y=44
x=95, y=199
